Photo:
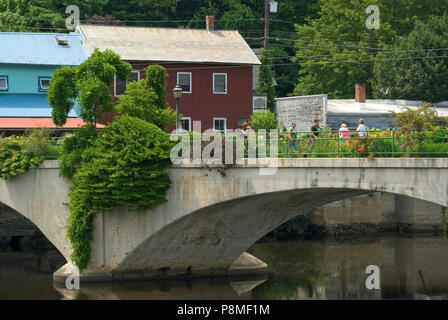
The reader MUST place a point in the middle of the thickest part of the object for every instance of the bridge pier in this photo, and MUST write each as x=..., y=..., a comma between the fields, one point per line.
x=245, y=266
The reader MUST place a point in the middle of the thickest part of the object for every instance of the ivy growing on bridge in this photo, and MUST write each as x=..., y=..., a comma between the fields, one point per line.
x=124, y=166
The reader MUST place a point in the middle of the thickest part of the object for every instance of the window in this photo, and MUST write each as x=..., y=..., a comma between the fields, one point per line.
x=120, y=86
x=220, y=125
x=220, y=83
x=3, y=83
x=185, y=123
x=44, y=84
x=184, y=81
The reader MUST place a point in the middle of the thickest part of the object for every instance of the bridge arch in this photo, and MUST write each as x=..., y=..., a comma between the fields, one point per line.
x=230, y=213
x=40, y=195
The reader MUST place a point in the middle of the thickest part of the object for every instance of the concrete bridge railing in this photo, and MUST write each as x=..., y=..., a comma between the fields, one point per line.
x=212, y=216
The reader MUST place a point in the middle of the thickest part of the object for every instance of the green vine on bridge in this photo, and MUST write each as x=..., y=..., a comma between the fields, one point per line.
x=123, y=166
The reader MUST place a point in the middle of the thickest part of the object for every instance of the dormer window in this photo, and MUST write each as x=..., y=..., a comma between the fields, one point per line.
x=44, y=83
x=62, y=41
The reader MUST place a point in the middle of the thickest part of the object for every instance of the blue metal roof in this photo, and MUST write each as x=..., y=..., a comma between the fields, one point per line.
x=27, y=106
x=41, y=49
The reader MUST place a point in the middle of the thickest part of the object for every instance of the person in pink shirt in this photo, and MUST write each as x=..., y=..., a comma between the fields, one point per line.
x=344, y=133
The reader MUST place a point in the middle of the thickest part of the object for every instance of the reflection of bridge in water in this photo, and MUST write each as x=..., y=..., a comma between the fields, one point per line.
x=211, y=218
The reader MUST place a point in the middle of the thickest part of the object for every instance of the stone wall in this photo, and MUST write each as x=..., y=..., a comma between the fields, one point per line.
x=302, y=110
x=417, y=215
x=378, y=212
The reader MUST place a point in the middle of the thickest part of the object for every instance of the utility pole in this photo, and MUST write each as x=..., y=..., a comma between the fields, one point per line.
x=266, y=23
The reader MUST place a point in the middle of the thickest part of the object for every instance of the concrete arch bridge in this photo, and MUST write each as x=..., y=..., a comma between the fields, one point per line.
x=213, y=215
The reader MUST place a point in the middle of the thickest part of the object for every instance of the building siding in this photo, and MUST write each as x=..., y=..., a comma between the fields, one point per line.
x=202, y=104
x=25, y=78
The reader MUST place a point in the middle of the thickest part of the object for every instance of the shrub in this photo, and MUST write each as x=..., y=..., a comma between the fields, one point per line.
x=263, y=119
x=18, y=156
x=431, y=150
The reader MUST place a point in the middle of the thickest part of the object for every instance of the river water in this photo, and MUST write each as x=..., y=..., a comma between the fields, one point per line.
x=410, y=268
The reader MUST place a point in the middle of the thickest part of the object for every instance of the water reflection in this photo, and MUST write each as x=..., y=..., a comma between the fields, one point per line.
x=411, y=268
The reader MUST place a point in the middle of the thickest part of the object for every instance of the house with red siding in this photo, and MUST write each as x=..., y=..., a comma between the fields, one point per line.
x=213, y=67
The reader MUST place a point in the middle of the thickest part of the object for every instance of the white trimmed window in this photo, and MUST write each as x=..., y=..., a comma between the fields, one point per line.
x=220, y=83
x=185, y=123
x=120, y=86
x=220, y=125
x=184, y=79
x=44, y=84
x=3, y=83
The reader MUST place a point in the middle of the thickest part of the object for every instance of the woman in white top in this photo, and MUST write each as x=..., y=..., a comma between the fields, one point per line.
x=362, y=129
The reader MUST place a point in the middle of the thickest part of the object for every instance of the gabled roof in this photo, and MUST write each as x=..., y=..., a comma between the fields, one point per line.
x=169, y=44
x=41, y=49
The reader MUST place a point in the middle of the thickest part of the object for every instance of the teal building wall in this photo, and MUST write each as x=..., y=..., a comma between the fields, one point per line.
x=25, y=78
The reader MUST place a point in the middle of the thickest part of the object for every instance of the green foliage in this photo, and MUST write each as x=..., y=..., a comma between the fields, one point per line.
x=438, y=136
x=123, y=167
x=156, y=80
x=18, y=156
x=415, y=71
x=263, y=119
x=141, y=99
x=412, y=122
x=265, y=83
x=73, y=148
x=334, y=69
x=61, y=93
x=431, y=150
x=88, y=84
x=383, y=146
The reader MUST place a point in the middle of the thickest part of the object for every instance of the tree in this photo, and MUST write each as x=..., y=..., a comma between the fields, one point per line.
x=413, y=122
x=265, y=83
x=146, y=99
x=336, y=50
x=417, y=69
x=88, y=84
x=417, y=120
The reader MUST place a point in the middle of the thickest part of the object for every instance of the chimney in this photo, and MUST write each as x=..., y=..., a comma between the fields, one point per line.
x=360, y=96
x=210, y=23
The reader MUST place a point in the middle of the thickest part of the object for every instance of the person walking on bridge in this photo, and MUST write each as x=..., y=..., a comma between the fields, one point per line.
x=362, y=129
x=314, y=133
x=292, y=138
